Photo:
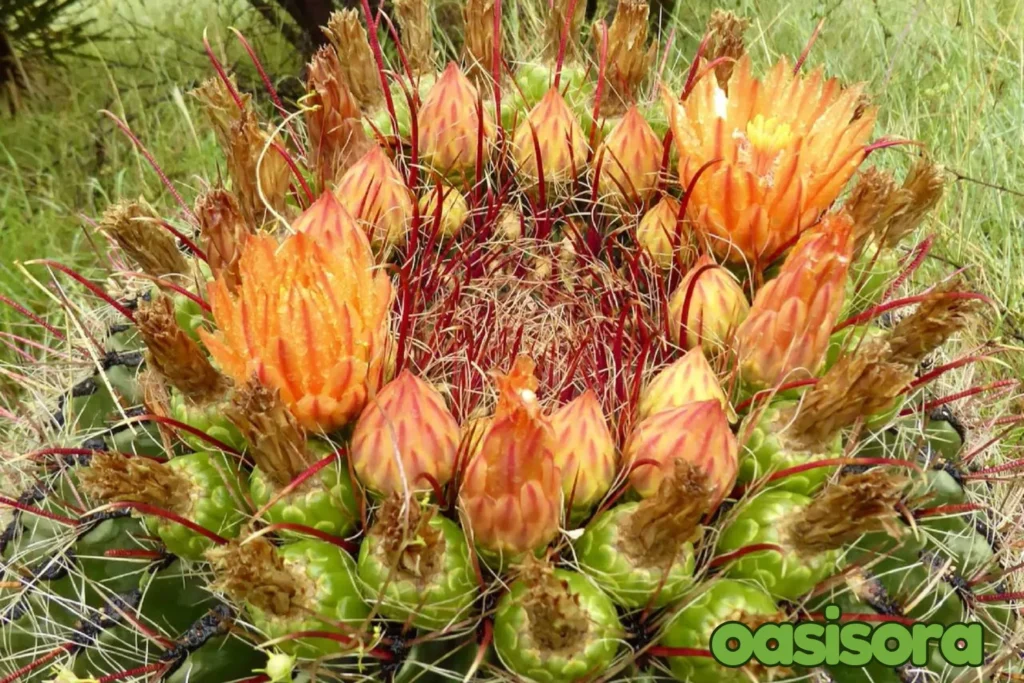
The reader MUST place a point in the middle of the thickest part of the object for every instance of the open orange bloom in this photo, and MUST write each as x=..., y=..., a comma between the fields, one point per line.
x=307, y=319
x=787, y=145
x=786, y=335
x=512, y=492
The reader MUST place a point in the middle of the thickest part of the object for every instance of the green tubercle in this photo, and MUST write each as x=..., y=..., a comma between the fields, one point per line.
x=325, y=501
x=768, y=451
x=215, y=500
x=209, y=418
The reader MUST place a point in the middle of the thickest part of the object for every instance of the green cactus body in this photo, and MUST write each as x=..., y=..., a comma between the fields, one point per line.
x=208, y=418
x=517, y=644
x=785, y=574
x=724, y=600
x=325, y=501
x=222, y=658
x=431, y=600
x=328, y=576
x=215, y=504
x=631, y=582
x=768, y=451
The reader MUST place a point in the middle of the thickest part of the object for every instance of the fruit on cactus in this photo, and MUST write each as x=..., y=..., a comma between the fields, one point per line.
x=202, y=488
x=691, y=628
x=642, y=553
x=807, y=532
x=786, y=334
x=787, y=145
x=550, y=141
x=862, y=386
x=511, y=493
x=198, y=390
x=414, y=565
x=555, y=625
x=406, y=439
x=584, y=451
x=453, y=215
x=628, y=162
x=659, y=232
x=686, y=380
x=706, y=308
x=374, y=193
x=299, y=587
x=309, y=321
x=697, y=433
x=452, y=127
x=282, y=486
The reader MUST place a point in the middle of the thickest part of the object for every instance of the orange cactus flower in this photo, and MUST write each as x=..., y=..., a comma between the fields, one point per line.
x=585, y=451
x=697, y=433
x=706, y=307
x=629, y=160
x=687, y=380
x=449, y=128
x=376, y=195
x=306, y=319
x=786, y=335
x=403, y=434
x=558, y=135
x=512, y=491
x=787, y=145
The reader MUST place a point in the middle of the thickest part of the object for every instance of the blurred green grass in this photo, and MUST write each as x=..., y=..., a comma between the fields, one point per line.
x=949, y=73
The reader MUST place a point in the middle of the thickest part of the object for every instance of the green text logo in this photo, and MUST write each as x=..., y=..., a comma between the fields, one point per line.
x=851, y=643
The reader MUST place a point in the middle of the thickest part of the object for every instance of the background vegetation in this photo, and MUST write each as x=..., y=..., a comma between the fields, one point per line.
x=949, y=73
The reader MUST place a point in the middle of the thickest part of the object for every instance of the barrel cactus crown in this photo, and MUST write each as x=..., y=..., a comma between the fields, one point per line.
x=524, y=361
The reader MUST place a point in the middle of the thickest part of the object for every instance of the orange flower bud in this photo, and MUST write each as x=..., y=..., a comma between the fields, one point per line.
x=657, y=231
x=585, y=450
x=512, y=492
x=687, y=380
x=787, y=144
x=786, y=335
x=707, y=307
x=629, y=160
x=558, y=136
x=308, y=320
x=403, y=434
x=697, y=433
x=327, y=222
x=375, y=193
x=449, y=128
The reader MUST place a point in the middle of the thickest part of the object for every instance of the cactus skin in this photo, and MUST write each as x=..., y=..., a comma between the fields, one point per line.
x=336, y=597
x=325, y=502
x=521, y=655
x=432, y=605
x=783, y=575
x=692, y=627
x=628, y=584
